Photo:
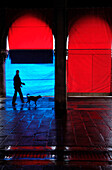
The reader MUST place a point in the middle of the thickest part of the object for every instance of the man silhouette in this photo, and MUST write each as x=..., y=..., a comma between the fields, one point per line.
x=17, y=87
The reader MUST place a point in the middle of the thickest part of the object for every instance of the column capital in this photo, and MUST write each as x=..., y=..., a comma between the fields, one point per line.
x=3, y=54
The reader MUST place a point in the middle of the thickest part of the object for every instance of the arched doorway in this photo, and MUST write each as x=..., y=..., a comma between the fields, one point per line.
x=89, y=57
x=30, y=42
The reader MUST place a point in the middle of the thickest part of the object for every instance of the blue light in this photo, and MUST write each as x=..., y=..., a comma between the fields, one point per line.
x=39, y=79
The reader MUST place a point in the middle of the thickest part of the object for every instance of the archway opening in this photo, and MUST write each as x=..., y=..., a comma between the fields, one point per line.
x=30, y=44
x=89, y=57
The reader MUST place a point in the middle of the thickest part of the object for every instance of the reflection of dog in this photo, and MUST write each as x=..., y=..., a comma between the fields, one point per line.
x=33, y=98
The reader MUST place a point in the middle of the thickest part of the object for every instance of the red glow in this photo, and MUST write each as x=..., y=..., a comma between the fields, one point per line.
x=89, y=70
x=31, y=162
x=29, y=32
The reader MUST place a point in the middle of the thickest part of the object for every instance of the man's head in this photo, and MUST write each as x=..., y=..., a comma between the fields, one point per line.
x=17, y=72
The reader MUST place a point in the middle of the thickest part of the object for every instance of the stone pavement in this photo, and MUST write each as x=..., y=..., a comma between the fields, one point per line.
x=24, y=125
x=82, y=139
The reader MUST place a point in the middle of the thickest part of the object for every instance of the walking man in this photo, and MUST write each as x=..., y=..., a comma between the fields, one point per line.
x=17, y=87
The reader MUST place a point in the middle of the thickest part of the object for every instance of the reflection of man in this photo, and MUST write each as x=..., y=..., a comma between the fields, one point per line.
x=17, y=87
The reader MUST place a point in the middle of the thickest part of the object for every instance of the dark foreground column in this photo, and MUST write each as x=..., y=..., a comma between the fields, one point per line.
x=60, y=62
x=2, y=73
x=3, y=52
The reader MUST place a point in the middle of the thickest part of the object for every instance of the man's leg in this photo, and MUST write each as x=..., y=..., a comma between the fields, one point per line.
x=21, y=95
x=14, y=97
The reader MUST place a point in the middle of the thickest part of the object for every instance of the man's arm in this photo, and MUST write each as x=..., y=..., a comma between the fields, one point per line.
x=23, y=83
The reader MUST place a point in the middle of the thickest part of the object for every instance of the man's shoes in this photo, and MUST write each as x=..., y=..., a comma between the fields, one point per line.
x=23, y=102
x=14, y=103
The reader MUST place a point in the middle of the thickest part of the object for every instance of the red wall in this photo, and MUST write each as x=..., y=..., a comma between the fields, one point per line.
x=89, y=56
x=29, y=32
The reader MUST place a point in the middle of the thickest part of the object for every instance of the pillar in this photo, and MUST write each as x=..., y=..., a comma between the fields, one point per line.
x=60, y=61
x=3, y=52
x=2, y=73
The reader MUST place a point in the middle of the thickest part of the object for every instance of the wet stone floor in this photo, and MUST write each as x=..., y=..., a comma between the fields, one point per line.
x=34, y=137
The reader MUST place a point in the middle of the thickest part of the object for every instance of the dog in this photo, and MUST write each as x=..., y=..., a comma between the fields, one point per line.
x=33, y=98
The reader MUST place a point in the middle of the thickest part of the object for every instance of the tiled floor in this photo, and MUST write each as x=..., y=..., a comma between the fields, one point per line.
x=82, y=139
x=91, y=119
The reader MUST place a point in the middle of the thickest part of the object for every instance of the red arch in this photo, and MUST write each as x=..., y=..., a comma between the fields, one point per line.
x=89, y=69
x=29, y=32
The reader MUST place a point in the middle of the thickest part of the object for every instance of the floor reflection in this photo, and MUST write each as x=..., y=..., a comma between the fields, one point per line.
x=42, y=135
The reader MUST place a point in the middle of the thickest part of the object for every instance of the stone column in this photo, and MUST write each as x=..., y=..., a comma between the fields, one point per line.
x=3, y=56
x=3, y=52
x=60, y=61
